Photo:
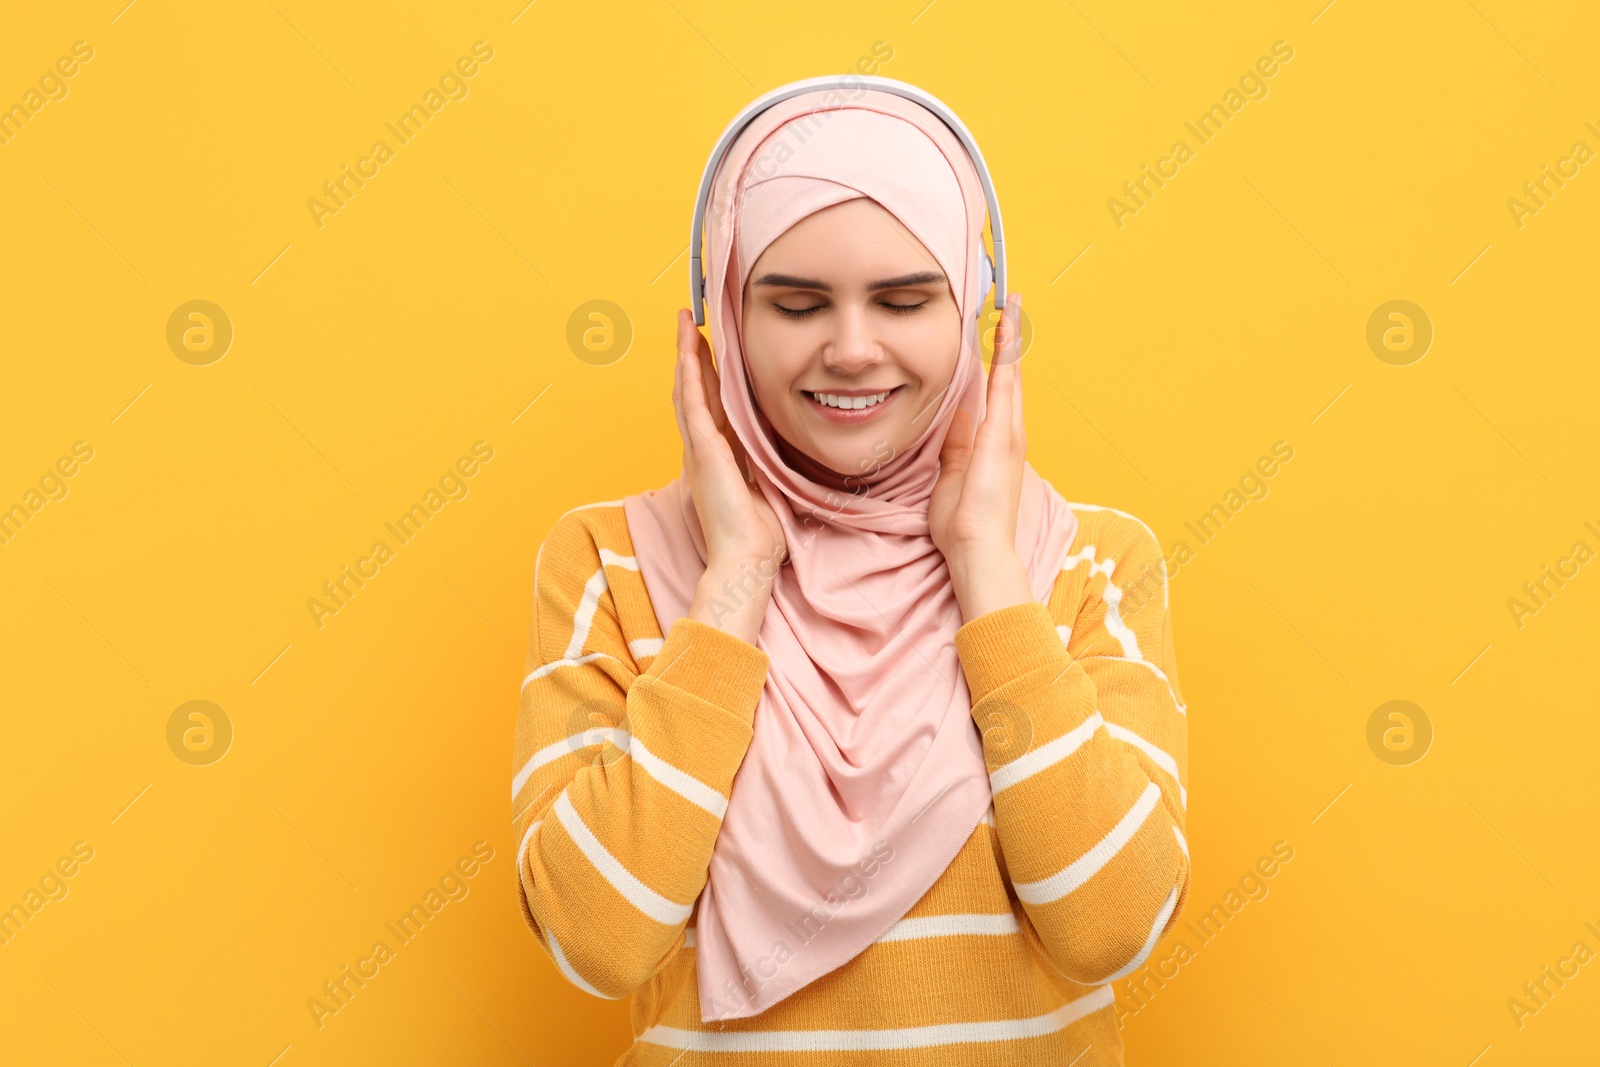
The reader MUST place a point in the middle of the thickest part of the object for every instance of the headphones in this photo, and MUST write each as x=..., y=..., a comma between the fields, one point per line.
x=988, y=272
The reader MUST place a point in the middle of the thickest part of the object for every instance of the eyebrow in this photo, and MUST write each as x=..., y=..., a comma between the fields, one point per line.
x=790, y=281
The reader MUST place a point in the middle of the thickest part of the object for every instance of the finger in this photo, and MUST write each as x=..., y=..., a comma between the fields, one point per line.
x=713, y=380
x=1017, y=421
x=741, y=456
x=1007, y=346
x=997, y=407
x=713, y=395
x=697, y=413
x=956, y=452
x=677, y=399
x=1006, y=366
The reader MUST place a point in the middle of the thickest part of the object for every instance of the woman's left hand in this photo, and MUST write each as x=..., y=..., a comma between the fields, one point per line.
x=972, y=514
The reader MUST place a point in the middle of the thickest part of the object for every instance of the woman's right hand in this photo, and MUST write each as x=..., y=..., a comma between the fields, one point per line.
x=745, y=543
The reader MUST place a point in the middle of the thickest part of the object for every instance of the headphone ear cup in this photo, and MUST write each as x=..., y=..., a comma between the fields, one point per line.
x=985, y=279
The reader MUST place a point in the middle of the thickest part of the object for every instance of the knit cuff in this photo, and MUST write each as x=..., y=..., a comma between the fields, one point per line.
x=1006, y=644
x=713, y=665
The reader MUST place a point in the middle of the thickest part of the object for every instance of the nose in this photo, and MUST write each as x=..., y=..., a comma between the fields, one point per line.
x=853, y=348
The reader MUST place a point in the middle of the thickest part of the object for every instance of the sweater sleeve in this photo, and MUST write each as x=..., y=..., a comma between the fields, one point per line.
x=1085, y=735
x=621, y=776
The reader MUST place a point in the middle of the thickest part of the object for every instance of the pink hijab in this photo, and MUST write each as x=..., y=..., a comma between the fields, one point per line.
x=865, y=774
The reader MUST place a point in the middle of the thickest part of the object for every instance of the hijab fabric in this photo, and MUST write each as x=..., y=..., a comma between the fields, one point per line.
x=865, y=773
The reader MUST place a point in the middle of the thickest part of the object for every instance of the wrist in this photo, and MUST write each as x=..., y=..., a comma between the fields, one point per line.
x=986, y=578
x=732, y=595
x=971, y=557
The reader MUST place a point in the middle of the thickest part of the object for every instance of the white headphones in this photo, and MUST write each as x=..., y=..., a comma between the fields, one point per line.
x=988, y=273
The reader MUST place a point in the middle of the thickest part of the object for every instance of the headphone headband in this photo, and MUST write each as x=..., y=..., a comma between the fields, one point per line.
x=852, y=83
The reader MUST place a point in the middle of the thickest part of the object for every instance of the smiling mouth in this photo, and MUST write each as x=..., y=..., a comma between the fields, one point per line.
x=840, y=402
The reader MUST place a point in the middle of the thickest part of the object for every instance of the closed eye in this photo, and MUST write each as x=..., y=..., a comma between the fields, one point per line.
x=801, y=313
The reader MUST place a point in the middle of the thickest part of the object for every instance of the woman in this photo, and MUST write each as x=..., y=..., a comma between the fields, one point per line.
x=842, y=744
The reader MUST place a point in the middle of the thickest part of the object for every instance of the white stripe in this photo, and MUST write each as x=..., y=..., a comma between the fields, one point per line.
x=644, y=647
x=1045, y=756
x=583, y=618
x=685, y=785
x=609, y=558
x=879, y=1040
x=1112, y=595
x=1083, y=555
x=611, y=869
x=593, y=589
x=1165, y=580
x=567, y=746
x=522, y=849
x=1157, y=756
x=1149, y=943
x=1065, y=633
x=566, y=968
x=538, y=558
x=1089, y=864
x=1183, y=709
x=1182, y=844
x=951, y=926
x=548, y=668
x=988, y=816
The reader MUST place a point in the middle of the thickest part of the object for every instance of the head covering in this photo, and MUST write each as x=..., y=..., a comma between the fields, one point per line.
x=865, y=773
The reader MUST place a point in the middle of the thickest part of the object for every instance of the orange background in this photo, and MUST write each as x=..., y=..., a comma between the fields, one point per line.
x=374, y=346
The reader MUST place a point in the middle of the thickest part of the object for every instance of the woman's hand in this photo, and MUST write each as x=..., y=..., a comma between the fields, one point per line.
x=745, y=543
x=972, y=514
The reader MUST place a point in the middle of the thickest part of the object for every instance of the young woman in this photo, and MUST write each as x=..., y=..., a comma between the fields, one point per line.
x=856, y=743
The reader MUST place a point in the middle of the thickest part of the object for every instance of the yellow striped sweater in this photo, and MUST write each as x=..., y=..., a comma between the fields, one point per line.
x=627, y=741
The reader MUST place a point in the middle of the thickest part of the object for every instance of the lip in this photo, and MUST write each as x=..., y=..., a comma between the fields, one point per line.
x=851, y=415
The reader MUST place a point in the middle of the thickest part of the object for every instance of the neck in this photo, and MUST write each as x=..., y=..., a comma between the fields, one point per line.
x=810, y=468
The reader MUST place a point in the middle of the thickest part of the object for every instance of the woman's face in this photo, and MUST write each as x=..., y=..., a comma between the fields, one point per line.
x=845, y=307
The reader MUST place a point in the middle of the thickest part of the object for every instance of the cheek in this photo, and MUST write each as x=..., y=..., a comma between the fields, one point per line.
x=931, y=349
x=775, y=362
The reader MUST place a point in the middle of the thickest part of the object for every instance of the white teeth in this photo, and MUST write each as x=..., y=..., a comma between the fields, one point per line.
x=833, y=401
